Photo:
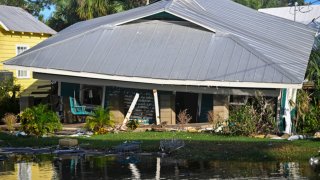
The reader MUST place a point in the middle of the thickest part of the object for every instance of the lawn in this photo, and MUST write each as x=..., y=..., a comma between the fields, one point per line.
x=198, y=145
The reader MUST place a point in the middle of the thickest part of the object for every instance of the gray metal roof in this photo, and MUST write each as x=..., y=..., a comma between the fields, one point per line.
x=235, y=44
x=17, y=19
x=304, y=14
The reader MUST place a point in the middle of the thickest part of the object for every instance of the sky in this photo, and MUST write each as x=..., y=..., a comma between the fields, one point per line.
x=48, y=12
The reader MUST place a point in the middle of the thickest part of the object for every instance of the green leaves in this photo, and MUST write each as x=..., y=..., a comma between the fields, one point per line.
x=99, y=120
x=39, y=120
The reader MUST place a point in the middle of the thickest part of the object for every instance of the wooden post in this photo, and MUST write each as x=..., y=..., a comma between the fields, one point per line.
x=133, y=104
x=59, y=88
x=156, y=105
x=199, y=104
x=158, y=168
x=103, y=96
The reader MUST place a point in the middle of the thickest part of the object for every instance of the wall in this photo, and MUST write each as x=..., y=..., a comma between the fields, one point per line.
x=8, y=42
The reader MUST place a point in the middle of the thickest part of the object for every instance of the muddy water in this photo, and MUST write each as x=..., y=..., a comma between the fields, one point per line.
x=146, y=167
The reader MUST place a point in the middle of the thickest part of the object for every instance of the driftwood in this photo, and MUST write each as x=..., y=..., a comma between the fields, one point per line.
x=128, y=146
x=170, y=145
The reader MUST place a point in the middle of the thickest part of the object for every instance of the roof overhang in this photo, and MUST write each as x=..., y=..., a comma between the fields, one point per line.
x=4, y=26
x=159, y=81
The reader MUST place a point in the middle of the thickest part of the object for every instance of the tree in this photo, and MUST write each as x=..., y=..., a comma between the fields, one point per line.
x=257, y=4
x=32, y=6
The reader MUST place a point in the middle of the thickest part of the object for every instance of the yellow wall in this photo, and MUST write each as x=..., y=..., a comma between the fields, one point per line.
x=8, y=42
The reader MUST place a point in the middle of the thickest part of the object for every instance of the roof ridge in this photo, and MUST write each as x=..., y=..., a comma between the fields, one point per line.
x=260, y=55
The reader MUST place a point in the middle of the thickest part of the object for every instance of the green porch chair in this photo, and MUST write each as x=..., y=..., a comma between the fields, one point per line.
x=77, y=109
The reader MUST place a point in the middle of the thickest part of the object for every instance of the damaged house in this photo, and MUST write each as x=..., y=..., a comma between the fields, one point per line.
x=173, y=55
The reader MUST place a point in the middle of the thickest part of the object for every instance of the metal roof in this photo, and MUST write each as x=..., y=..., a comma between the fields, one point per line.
x=17, y=19
x=304, y=14
x=227, y=42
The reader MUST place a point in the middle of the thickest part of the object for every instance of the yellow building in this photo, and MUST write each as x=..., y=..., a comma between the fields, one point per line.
x=20, y=31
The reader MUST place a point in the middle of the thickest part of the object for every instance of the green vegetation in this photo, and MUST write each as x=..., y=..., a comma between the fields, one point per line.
x=99, y=121
x=198, y=145
x=132, y=124
x=8, y=101
x=256, y=117
x=39, y=120
x=10, y=120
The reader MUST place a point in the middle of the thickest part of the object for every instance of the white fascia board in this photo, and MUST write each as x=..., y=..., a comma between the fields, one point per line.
x=159, y=81
x=4, y=26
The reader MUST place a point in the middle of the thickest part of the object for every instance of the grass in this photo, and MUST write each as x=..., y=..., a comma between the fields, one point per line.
x=199, y=146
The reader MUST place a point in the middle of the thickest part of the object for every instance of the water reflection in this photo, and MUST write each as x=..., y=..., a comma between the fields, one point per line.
x=146, y=167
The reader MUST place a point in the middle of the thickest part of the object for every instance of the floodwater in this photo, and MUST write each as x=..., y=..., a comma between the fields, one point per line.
x=146, y=167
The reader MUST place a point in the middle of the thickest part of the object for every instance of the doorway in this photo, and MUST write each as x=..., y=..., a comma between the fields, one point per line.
x=187, y=101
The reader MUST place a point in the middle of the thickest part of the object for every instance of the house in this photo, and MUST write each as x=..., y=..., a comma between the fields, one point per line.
x=307, y=14
x=20, y=31
x=173, y=55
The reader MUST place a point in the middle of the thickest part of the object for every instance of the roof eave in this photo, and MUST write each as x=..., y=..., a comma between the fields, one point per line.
x=4, y=26
x=210, y=83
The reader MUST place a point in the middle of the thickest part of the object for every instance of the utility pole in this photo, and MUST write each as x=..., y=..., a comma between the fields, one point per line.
x=295, y=11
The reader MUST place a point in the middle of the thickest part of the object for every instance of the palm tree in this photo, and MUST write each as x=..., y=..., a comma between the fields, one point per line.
x=88, y=9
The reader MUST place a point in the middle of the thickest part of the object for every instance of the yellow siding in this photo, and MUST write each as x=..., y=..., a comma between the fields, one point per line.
x=8, y=43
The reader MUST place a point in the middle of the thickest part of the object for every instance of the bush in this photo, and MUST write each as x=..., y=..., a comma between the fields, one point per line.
x=242, y=121
x=256, y=117
x=8, y=100
x=133, y=124
x=183, y=118
x=99, y=120
x=10, y=120
x=39, y=120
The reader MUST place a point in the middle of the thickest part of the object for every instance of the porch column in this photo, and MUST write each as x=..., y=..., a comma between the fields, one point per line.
x=156, y=105
x=59, y=88
x=220, y=107
x=290, y=95
x=103, y=96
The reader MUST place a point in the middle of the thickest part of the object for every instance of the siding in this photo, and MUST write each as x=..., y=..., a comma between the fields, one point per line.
x=8, y=42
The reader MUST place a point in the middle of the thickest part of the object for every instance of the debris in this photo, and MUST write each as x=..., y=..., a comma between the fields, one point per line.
x=272, y=136
x=316, y=135
x=170, y=145
x=297, y=137
x=285, y=136
x=26, y=150
x=128, y=146
x=21, y=133
x=68, y=151
x=67, y=142
x=314, y=161
x=192, y=129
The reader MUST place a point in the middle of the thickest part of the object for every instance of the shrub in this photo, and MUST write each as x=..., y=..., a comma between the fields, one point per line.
x=39, y=120
x=99, y=120
x=133, y=124
x=257, y=116
x=10, y=120
x=8, y=100
x=183, y=117
x=242, y=121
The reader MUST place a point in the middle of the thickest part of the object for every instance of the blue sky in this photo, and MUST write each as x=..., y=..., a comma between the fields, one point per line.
x=47, y=12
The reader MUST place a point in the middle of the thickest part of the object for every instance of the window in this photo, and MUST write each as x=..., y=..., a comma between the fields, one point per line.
x=21, y=48
x=22, y=73
x=92, y=95
x=238, y=100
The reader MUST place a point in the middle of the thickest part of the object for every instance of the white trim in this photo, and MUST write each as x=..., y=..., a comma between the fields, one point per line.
x=23, y=77
x=4, y=26
x=160, y=81
x=21, y=45
x=156, y=106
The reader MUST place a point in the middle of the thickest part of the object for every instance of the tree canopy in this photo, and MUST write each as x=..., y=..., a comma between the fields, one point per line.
x=34, y=7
